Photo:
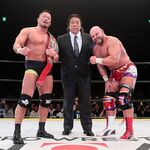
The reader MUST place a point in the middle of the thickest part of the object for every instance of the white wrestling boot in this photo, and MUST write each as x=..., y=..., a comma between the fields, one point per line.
x=110, y=129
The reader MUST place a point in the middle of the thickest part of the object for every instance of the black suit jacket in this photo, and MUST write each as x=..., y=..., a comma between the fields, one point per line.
x=73, y=67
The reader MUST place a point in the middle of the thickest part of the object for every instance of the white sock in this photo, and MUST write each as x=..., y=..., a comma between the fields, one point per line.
x=111, y=122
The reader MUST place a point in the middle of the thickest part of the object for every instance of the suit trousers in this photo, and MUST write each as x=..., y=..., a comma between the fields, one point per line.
x=80, y=87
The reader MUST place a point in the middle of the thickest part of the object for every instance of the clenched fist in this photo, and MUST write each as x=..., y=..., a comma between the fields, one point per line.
x=93, y=60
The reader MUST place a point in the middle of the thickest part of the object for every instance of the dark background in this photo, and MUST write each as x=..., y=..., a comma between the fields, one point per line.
x=126, y=19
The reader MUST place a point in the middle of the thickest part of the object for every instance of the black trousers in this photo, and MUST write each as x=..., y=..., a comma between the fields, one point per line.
x=80, y=87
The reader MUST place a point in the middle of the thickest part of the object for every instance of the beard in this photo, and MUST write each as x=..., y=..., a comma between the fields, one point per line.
x=100, y=41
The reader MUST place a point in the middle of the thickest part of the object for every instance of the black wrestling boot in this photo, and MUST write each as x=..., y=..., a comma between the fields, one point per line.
x=17, y=138
x=42, y=133
x=17, y=135
x=88, y=132
x=66, y=132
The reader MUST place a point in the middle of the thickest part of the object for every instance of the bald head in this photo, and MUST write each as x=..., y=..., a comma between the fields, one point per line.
x=97, y=34
x=95, y=29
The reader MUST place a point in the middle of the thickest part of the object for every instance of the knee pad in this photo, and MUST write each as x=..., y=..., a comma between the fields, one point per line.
x=45, y=100
x=124, y=98
x=109, y=101
x=24, y=101
x=127, y=87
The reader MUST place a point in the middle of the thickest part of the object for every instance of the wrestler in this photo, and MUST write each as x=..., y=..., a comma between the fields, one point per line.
x=34, y=44
x=110, y=53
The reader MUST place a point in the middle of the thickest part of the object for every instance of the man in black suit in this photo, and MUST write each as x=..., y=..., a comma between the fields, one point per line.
x=75, y=51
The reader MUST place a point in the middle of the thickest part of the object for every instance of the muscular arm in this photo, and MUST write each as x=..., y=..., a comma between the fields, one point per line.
x=114, y=52
x=55, y=46
x=53, y=49
x=101, y=68
x=20, y=39
x=102, y=71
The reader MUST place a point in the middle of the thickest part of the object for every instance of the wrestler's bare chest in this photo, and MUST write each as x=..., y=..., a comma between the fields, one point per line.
x=101, y=51
x=37, y=38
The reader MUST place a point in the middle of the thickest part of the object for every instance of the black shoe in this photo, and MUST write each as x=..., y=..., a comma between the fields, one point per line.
x=17, y=139
x=44, y=134
x=66, y=132
x=88, y=132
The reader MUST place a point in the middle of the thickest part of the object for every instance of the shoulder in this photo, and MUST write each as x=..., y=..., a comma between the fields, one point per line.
x=27, y=30
x=85, y=35
x=112, y=39
x=63, y=36
x=52, y=37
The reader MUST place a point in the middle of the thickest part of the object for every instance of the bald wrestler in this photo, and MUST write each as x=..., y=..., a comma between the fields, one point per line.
x=110, y=53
